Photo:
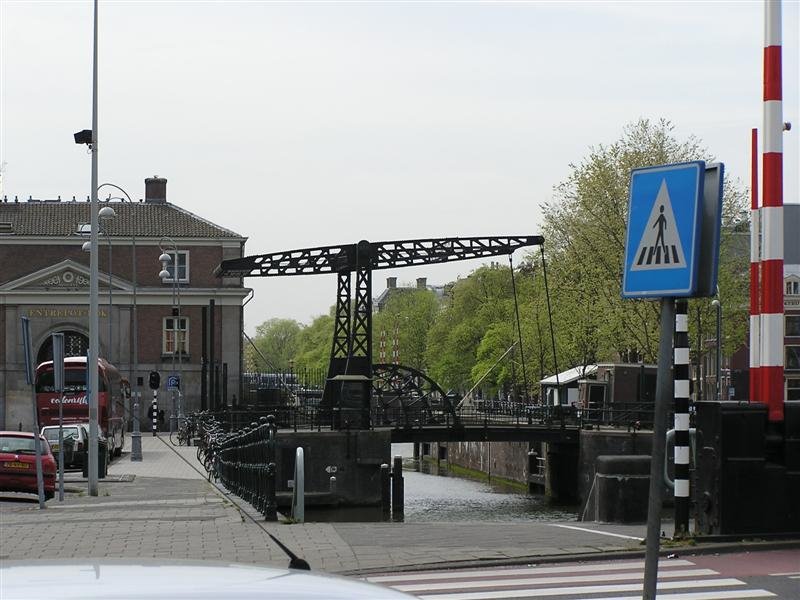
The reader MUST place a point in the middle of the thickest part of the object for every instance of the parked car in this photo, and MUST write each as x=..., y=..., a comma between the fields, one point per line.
x=18, y=464
x=76, y=442
x=176, y=580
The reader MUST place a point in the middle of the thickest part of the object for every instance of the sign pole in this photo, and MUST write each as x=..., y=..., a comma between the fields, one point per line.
x=30, y=377
x=663, y=396
x=58, y=380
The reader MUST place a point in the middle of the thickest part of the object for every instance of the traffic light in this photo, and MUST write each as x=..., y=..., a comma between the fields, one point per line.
x=155, y=380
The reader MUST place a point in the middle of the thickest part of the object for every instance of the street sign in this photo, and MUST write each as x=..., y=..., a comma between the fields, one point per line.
x=173, y=382
x=664, y=219
x=331, y=469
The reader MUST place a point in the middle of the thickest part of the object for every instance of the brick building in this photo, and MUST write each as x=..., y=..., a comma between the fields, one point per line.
x=194, y=323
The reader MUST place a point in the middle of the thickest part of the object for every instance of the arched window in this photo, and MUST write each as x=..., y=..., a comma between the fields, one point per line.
x=75, y=344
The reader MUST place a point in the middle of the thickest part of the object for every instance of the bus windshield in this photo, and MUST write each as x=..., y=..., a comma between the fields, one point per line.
x=74, y=381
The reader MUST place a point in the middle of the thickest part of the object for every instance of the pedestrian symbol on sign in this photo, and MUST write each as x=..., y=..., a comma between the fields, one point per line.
x=660, y=247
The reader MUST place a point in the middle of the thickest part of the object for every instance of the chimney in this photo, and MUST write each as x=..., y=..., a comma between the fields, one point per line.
x=422, y=283
x=155, y=190
x=391, y=283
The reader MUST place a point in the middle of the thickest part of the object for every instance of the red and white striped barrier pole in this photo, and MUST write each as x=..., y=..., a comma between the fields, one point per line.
x=771, y=368
x=755, y=258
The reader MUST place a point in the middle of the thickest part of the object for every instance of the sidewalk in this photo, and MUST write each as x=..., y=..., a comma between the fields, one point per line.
x=163, y=507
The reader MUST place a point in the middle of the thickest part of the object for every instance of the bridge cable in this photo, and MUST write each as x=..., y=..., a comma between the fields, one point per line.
x=519, y=329
x=550, y=317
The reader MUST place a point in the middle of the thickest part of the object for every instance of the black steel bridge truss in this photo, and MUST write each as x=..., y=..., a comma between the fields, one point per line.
x=351, y=351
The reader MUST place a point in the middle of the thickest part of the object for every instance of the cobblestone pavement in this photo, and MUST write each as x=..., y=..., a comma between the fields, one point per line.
x=163, y=507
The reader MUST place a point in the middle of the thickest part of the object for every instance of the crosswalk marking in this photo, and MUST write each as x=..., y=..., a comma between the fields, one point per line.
x=438, y=575
x=716, y=595
x=584, y=589
x=551, y=580
x=790, y=574
x=613, y=580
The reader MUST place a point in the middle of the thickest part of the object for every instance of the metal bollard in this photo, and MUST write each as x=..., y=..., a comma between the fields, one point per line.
x=271, y=513
x=136, y=436
x=333, y=484
x=397, y=489
x=386, y=484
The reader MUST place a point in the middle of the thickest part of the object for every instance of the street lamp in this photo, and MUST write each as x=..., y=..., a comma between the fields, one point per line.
x=135, y=361
x=104, y=214
x=177, y=329
x=715, y=302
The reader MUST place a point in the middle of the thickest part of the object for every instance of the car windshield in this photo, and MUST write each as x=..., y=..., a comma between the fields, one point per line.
x=51, y=433
x=17, y=444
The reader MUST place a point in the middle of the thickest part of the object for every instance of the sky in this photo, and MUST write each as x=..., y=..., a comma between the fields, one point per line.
x=303, y=124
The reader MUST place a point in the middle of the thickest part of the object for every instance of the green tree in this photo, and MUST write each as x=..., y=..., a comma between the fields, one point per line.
x=276, y=343
x=474, y=328
x=314, y=345
x=584, y=229
x=410, y=313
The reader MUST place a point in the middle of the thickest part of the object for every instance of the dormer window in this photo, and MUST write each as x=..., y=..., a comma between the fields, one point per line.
x=792, y=288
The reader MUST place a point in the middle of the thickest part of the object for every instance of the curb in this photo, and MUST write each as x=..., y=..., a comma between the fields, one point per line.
x=589, y=556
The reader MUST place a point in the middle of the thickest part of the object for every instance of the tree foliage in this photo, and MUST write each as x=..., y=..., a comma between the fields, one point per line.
x=407, y=316
x=276, y=343
x=585, y=227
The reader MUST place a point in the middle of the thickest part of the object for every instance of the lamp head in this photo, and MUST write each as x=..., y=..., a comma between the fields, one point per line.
x=86, y=246
x=164, y=274
x=165, y=258
x=83, y=137
x=715, y=302
x=106, y=213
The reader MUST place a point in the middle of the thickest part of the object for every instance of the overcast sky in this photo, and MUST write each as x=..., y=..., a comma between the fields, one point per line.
x=307, y=124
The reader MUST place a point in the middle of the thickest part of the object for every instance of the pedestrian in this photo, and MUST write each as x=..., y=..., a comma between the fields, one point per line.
x=161, y=419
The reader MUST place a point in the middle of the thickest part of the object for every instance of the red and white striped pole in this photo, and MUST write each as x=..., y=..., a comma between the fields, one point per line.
x=771, y=369
x=755, y=257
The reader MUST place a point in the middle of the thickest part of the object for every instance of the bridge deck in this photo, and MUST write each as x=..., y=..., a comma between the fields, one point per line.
x=481, y=433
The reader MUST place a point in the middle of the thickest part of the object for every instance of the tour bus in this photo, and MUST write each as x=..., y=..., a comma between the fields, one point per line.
x=111, y=398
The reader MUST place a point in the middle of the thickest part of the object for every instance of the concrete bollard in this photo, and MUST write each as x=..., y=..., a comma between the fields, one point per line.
x=397, y=489
x=386, y=484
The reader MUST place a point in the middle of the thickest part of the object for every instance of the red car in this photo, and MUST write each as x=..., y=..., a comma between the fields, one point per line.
x=18, y=464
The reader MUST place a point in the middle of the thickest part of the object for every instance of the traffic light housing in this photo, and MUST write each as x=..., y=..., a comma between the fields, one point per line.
x=155, y=380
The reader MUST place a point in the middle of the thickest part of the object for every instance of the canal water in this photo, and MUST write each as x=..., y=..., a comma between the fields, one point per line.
x=433, y=495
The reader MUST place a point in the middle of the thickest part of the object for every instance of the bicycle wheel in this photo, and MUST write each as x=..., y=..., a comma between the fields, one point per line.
x=174, y=438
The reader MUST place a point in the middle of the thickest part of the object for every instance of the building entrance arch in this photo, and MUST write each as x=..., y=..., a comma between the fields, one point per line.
x=75, y=344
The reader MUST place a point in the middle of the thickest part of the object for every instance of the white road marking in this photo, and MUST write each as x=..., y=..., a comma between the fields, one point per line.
x=439, y=575
x=718, y=595
x=586, y=529
x=603, y=577
x=584, y=589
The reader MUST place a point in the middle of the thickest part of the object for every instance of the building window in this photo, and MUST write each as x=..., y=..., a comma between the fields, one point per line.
x=793, y=288
x=183, y=266
x=793, y=389
x=176, y=330
x=792, y=358
x=792, y=325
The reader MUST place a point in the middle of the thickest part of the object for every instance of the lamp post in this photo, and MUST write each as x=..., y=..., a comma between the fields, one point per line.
x=104, y=214
x=136, y=445
x=178, y=339
x=135, y=358
x=715, y=302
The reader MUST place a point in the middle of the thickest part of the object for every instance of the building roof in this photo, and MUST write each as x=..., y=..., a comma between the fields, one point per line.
x=570, y=375
x=141, y=219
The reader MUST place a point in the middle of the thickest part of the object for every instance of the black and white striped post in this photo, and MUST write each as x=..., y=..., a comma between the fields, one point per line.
x=681, y=418
x=155, y=412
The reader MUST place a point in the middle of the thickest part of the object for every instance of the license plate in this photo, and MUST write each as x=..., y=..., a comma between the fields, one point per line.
x=16, y=465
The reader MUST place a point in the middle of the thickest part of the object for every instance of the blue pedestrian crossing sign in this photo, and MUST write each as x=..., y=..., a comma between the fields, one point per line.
x=664, y=220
